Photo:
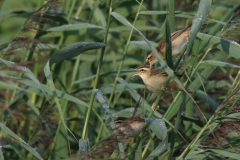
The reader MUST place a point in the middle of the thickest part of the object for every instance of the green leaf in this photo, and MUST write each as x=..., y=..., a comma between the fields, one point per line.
x=194, y=86
x=59, y=93
x=207, y=99
x=29, y=102
x=102, y=101
x=27, y=72
x=84, y=145
x=168, y=46
x=198, y=21
x=159, y=128
x=220, y=64
x=143, y=44
x=1, y=154
x=216, y=84
x=123, y=72
x=21, y=141
x=72, y=27
x=139, y=150
x=98, y=13
x=4, y=12
x=156, y=12
x=227, y=46
x=139, y=27
x=226, y=153
x=74, y=50
x=54, y=92
x=178, y=14
x=204, y=155
x=231, y=116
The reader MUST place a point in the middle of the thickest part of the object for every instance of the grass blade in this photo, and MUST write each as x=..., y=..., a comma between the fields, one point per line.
x=54, y=92
x=72, y=27
x=143, y=44
x=198, y=21
x=207, y=99
x=220, y=64
x=168, y=45
x=21, y=141
x=74, y=50
x=27, y=72
x=225, y=45
x=102, y=101
x=159, y=128
x=47, y=89
x=225, y=153
x=171, y=16
x=84, y=145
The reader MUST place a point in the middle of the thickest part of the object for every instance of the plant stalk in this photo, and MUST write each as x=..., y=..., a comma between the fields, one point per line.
x=174, y=67
x=124, y=54
x=131, y=156
x=171, y=15
x=120, y=67
x=97, y=74
x=178, y=95
x=175, y=130
x=71, y=10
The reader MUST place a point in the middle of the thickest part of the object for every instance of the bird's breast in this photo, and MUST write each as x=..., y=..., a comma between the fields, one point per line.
x=155, y=83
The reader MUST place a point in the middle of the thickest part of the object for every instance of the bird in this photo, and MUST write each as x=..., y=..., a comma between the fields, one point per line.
x=155, y=78
x=178, y=38
x=130, y=126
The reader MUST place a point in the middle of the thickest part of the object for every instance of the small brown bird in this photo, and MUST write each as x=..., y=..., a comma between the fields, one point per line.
x=179, y=39
x=154, y=79
x=130, y=126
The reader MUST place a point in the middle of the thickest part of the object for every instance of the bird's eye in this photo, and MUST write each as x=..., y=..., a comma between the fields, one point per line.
x=142, y=70
x=148, y=58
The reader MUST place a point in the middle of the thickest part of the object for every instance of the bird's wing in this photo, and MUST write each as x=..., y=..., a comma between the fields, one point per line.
x=174, y=35
x=161, y=72
x=178, y=33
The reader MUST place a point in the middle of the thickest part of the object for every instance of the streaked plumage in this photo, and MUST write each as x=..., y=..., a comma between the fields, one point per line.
x=154, y=79
x=130, y=126
x=178, y=38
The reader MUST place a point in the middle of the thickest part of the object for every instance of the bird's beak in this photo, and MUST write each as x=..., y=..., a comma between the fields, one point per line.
x=136, y=74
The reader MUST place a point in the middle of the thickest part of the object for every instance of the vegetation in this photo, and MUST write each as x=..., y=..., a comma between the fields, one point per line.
x=65, y=75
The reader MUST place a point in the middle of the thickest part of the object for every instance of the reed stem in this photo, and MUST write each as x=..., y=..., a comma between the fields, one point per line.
x=98, y=72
